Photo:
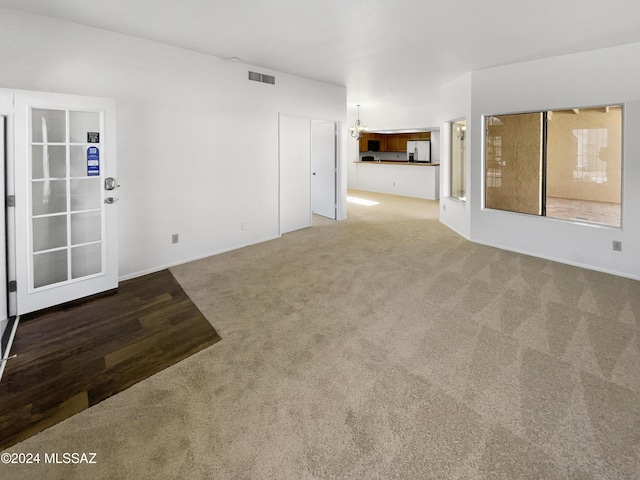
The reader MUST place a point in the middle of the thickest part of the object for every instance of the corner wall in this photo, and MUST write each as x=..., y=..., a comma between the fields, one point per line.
x=197, y=142
x=455, y=104
x=601, y=77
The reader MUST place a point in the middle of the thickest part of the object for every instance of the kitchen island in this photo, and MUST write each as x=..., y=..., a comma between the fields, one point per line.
x=412, y=179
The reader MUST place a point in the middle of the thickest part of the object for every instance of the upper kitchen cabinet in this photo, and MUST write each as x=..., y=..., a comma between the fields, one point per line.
x=364, y=141
x=394, y=143
x=391, y=142
x=419, y=136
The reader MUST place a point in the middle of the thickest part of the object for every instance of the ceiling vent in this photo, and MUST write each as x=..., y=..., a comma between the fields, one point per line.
x=262, y=77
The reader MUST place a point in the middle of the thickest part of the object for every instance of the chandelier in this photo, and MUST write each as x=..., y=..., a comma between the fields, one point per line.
x=358, y=129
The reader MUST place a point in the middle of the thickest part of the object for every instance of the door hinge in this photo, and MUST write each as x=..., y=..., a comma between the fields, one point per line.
x=12, y=286
x=11, y=200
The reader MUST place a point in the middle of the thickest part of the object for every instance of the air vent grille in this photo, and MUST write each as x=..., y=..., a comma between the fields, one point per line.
x=262, y=77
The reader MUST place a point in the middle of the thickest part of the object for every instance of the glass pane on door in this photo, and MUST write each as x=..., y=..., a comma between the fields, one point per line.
x=81, y=124
x=50, y=268
x=49, y=125
x=78, y=161
x=86, y=260
x=86, y=227
x=49, y=197
x=49, y=233
x=85, y=194
x=48, y=161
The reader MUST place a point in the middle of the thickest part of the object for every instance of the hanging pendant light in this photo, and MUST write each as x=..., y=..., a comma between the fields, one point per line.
x=358, y=129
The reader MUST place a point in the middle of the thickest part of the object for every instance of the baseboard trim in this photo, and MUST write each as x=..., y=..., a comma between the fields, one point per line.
x=546, y=257
x=560, y=260
x=454, y=229
x=398, y=194
x=129, y=276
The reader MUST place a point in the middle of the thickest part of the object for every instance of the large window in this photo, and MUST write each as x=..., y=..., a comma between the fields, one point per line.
x=458, y=154
x=514, y=163
x=563, y=164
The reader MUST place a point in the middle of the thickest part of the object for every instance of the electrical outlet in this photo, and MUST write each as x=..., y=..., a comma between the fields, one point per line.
x=444, y=207
x=175, y=238
x=394, y=184
x=617, y=246
x=243, y=226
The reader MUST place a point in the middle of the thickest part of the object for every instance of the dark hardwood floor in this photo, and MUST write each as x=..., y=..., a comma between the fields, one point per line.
x=74, y=356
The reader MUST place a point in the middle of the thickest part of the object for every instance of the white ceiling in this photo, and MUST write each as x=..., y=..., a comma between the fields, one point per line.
x=387, y=53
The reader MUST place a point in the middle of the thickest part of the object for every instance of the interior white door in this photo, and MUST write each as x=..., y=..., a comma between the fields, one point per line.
x=323, y=168
x=295, y=173
x=66, y=226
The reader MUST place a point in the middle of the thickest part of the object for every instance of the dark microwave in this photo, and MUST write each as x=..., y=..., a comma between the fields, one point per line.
x=373, y=145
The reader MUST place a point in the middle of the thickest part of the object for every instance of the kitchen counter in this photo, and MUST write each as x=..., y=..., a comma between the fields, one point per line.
x=393, y=177
x=395, y=162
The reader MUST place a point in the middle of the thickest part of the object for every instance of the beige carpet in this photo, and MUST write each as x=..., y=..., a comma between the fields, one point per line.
x=388, y=347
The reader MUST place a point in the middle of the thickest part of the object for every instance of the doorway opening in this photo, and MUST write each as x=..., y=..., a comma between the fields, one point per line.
x=324, y=169
x=308, y=156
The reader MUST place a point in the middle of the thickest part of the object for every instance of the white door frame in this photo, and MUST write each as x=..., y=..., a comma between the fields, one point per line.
x=297, y=186
x=8, y=319
x=4, y=317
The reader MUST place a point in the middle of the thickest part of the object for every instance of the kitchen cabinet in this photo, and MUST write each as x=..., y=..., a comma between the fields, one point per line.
x=403, y=138
x=365, y=139
x=363, y=143
x=420, y=136
x=392, y=142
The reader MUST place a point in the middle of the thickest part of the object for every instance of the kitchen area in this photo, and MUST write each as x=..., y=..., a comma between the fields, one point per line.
x=400, y=163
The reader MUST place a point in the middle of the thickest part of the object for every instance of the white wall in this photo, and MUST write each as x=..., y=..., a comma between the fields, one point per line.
x=197, y=142
x=601, y=77
x=455, y=104
x=380, y=118
x=421, y=181
x=435, y=146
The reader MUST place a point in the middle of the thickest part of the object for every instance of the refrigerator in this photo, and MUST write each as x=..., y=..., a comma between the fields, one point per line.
x=419, y=151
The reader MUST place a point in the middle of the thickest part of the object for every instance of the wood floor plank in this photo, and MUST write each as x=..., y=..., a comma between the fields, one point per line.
x=39, y=420
x=74, y=356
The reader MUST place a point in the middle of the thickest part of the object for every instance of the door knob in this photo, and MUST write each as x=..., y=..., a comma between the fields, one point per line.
x=110, y=200
x=110, y=183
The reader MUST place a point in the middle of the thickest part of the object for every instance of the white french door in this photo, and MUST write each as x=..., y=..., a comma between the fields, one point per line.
x=65, y=210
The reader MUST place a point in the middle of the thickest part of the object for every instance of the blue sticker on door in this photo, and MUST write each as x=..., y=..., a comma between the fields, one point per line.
x=93, y=161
